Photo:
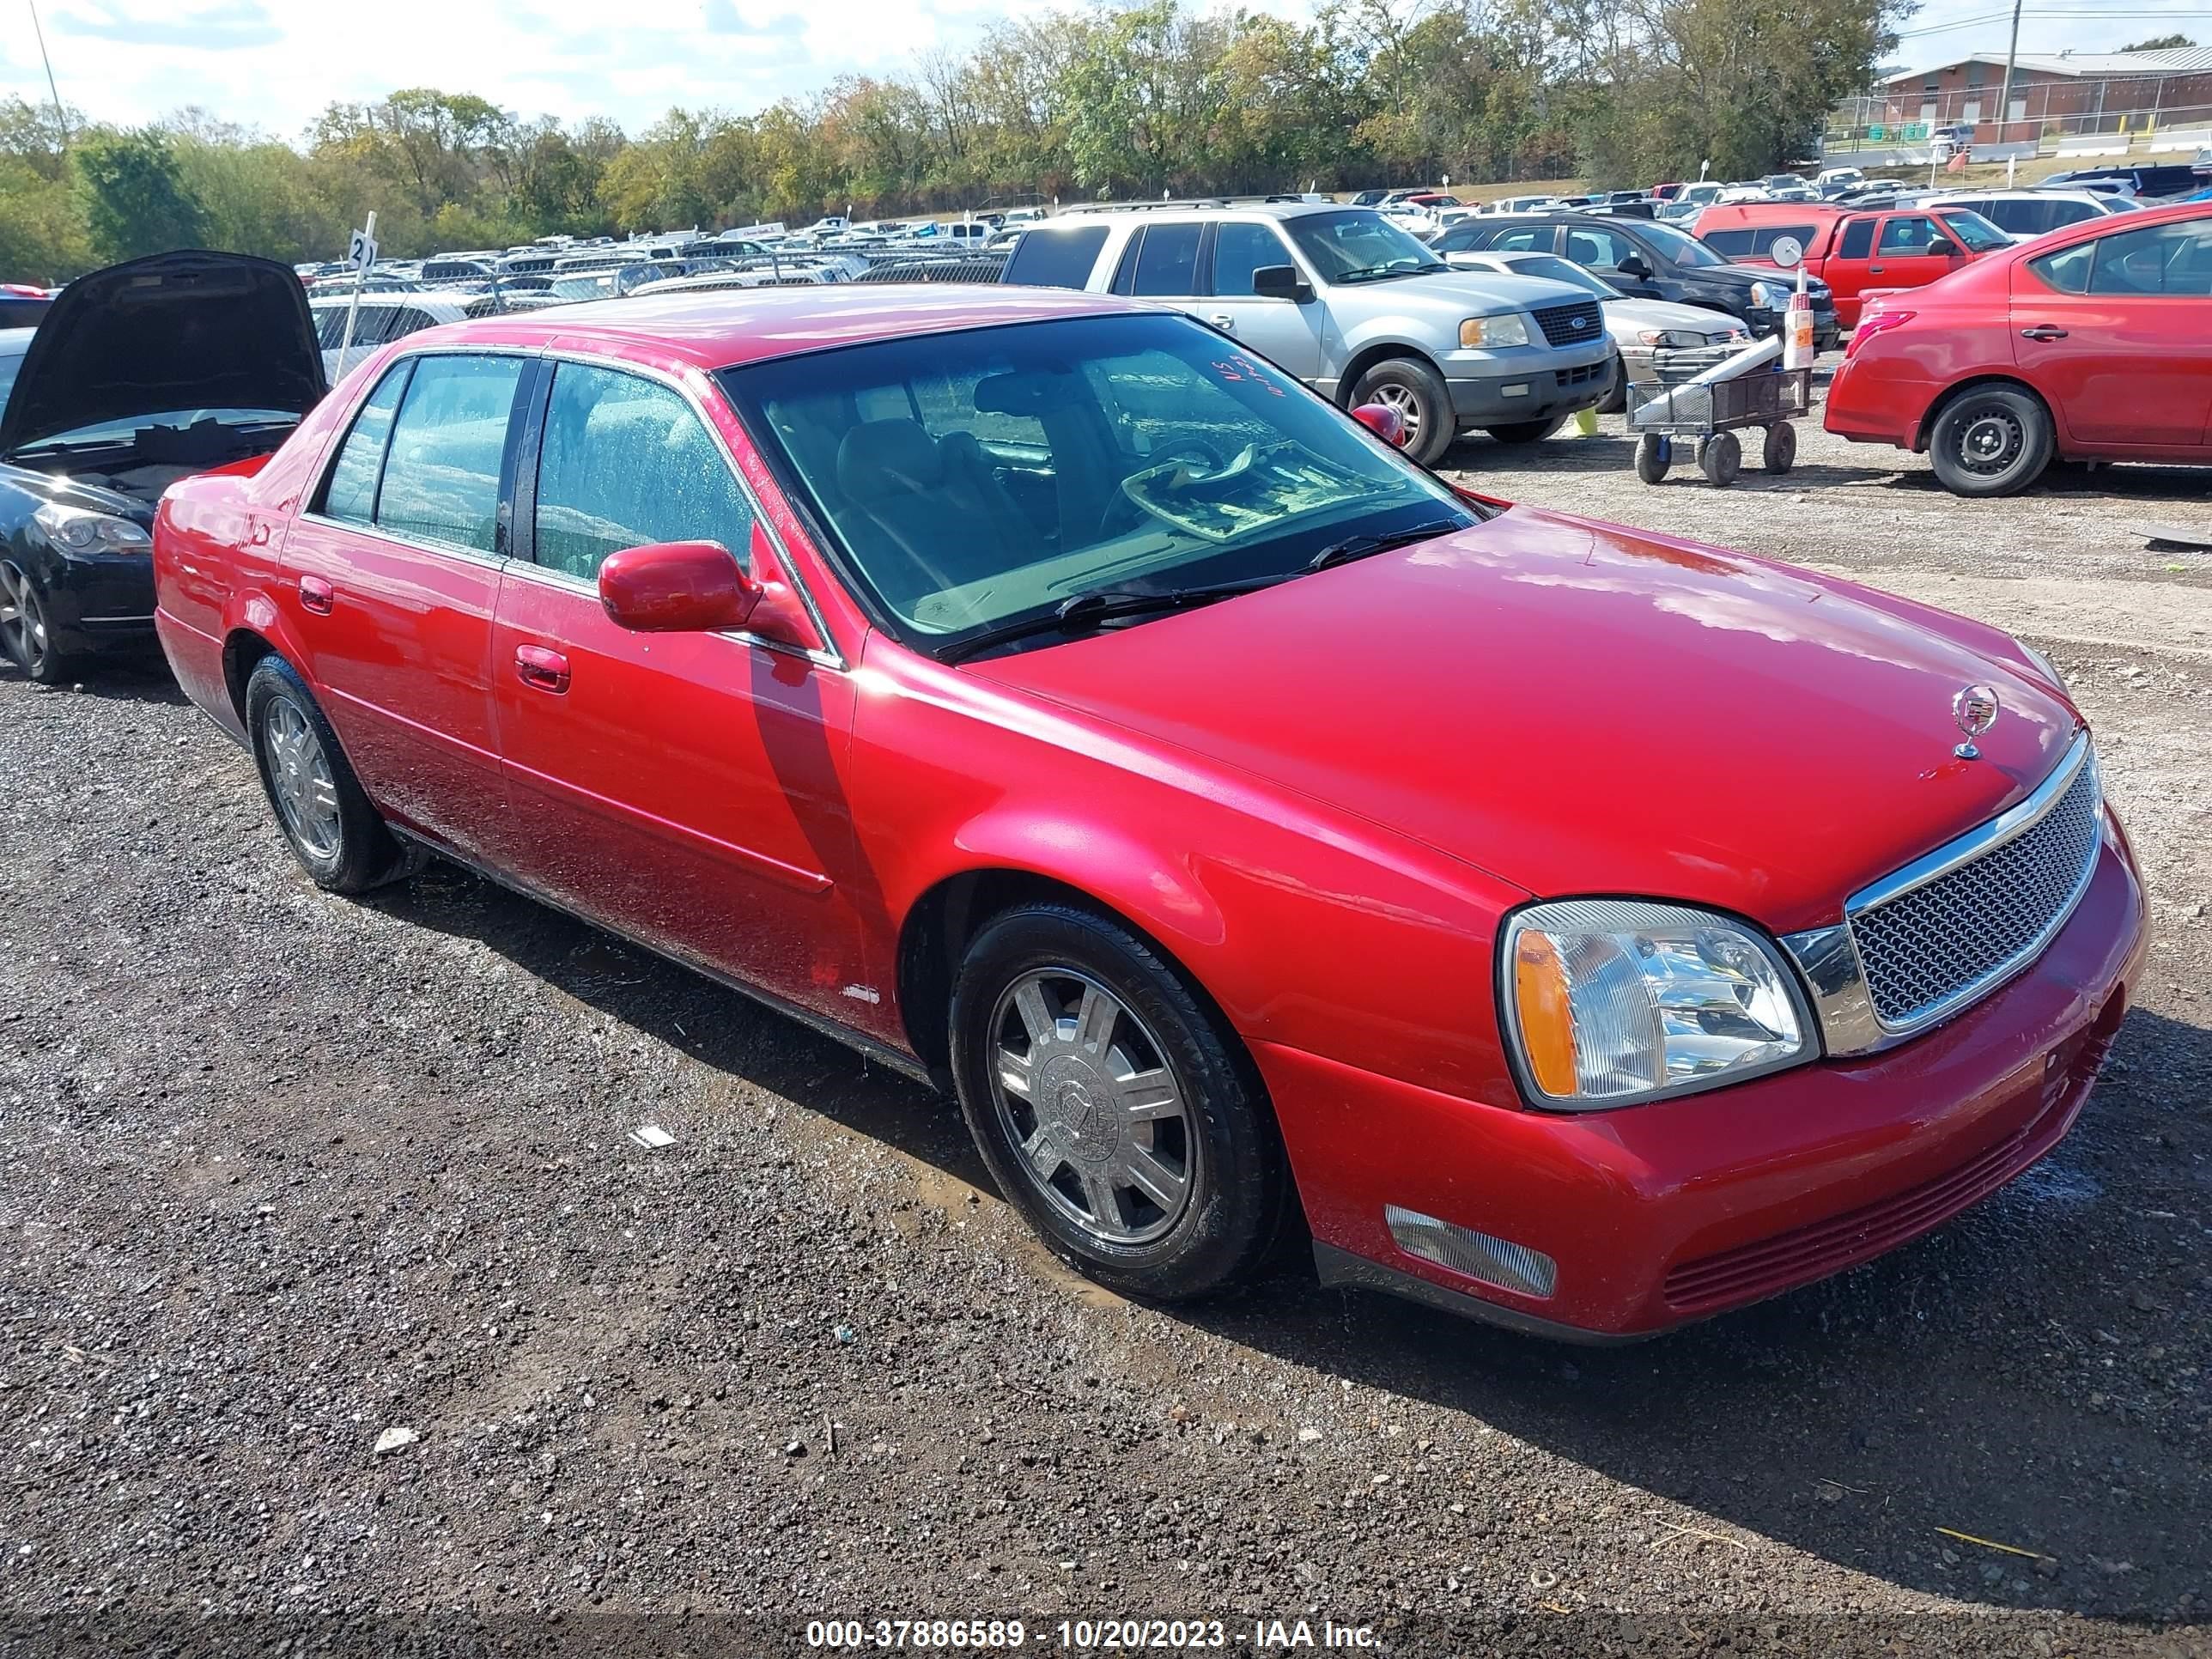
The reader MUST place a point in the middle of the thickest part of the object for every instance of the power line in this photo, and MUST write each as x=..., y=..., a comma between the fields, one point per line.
x=61, y=117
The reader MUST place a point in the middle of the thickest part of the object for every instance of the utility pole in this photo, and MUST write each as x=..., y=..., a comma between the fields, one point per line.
x=61, y=120
x=2012, y=52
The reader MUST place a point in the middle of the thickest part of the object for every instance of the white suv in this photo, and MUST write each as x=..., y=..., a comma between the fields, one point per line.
x=1351, y=305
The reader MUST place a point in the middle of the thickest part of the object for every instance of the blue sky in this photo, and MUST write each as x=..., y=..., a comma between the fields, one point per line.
x=273, y=63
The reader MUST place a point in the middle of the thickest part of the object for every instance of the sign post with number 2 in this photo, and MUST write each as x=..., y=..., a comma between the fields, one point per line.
x=360, y=254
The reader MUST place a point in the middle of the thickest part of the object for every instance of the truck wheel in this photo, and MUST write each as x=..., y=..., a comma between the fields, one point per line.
x=1991, y=441
x=1422, y=400
x=1527, y=432
x=1115, y=1109
x=1655, y=453
x=1779, y=452
x=1720, y=458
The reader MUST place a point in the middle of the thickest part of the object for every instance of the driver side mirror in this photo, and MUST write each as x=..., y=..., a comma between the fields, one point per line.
x=677, y=587
x=1384, y=422
x=1634, y=267
x=1281, y=282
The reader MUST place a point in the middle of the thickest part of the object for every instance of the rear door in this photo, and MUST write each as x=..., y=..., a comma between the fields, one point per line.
x=1294, y=336
x=2116, y=333
x=393, y=577
x=683, y=788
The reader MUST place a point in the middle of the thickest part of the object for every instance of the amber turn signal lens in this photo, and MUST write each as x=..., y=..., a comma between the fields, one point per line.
x=1547, y=1022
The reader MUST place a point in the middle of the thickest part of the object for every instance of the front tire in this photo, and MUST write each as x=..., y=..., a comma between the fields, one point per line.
x=1616, y=400
x=1991, y=441
x=25, y=634
x=1114, y=1108
x=326, y=816
x=1422, y=400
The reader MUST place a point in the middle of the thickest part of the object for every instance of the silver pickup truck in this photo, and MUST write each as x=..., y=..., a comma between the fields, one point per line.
x=1351, y=305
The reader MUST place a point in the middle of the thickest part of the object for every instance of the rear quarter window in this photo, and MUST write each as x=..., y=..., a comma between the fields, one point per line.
x=1757, y=242
x=1858, y=239
x=1056, y=258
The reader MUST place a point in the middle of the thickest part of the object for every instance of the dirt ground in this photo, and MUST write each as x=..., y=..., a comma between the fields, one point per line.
x=281, y=1172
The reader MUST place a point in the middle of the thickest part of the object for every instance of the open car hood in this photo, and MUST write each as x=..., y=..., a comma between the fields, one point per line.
x=187, y=329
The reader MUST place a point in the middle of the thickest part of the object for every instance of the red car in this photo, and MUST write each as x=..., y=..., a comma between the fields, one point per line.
x=1575, y=927
x=2093, y=342
x=1855, y=251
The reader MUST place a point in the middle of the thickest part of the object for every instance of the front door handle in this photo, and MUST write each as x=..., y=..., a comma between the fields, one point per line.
x=539, y=666
x=2043, y=332
x=317, y=595
x=1224, y=321
x=1874, y=271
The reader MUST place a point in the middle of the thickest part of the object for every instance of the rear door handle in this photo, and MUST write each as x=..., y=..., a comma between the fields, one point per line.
x=317, y=595
x=2043, y=332
x=539, y=666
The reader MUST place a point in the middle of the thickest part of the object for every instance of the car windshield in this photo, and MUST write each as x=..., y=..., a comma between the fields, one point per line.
x=1358, y=246
x=1681, y=247
x=594, y=287
x=1550, y=266
x=109, y=433
x=1979, y=235
x=977, y=479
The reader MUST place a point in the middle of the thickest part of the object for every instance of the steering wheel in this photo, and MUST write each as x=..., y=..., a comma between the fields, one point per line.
x=1123, y=513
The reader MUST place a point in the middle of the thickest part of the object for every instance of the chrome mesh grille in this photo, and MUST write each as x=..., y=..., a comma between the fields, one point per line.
x=1970, y=924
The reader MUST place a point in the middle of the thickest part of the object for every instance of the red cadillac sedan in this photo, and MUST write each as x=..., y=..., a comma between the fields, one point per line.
x=1577, y=928
x=2092, y=343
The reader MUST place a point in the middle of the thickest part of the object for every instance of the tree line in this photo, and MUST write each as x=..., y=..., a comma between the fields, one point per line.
x=1129, y=102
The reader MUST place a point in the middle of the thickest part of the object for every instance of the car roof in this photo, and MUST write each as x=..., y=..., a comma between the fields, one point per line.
x=722, y=327
x=1091, y=212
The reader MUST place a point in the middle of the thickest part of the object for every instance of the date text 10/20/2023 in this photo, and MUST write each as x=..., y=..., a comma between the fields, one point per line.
x=1087, y=1635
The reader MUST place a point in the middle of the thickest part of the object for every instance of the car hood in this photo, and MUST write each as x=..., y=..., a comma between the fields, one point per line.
x=1575, y=707
x=187, y=329
x=1448, y=297
x=1634, y=314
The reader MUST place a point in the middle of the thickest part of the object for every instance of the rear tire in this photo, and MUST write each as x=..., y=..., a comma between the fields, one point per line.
x=1779, y=452
x=1114, y=1108
x=1655, y=454
x=1422, y=400
x=1991, y=441
x=1527, y=432
x=25, y=635
x=326, y=816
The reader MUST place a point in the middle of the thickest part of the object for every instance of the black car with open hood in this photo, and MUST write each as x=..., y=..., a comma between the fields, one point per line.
x=141, y=374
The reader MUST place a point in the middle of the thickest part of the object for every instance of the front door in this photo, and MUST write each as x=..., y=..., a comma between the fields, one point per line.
x=392, y=580
x=1291, y=336
x=1911, y=250
x=683, y=788
x=2116, y=333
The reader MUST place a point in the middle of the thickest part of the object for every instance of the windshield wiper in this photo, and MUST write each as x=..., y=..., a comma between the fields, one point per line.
x=1392, y=268
x=1359, y=547
x=1084, y=612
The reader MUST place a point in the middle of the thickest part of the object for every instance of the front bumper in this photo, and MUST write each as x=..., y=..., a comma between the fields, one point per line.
x=1535, y=394
x=1659, y=1214
x=97, y=603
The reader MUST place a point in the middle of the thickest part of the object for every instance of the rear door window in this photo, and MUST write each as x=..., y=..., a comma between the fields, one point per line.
x=441, y=477
x=1599, y=250
x=1525, y=239
x=2171, y=259
x=1166, y=261
x=1056, y=258
x=350, y=493
x=2068, y=270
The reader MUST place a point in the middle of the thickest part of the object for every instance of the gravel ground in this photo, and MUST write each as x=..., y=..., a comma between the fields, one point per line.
x=281, y=1173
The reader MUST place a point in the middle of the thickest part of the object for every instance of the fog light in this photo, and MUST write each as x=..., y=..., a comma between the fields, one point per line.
x=1497, y=1261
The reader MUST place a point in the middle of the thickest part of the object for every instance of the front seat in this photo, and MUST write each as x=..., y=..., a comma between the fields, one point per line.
x=934, y=508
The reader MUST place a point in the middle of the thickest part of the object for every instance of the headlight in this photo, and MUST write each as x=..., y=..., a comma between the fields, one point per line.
x=1610, y=1001
x=2043, y=666
x=1769, y=296
x=1677, y=339
x=1511, y=329
x=76, y=530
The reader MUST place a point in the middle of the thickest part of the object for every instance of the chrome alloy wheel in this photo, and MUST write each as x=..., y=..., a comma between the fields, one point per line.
x=300, y=778
x=1991, y=442
x=1401, y=399
x=23, y=619
x=1091, y=1108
